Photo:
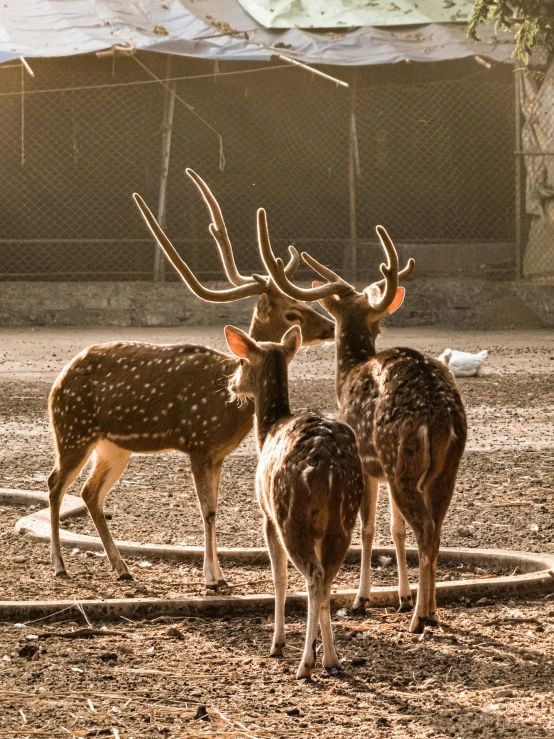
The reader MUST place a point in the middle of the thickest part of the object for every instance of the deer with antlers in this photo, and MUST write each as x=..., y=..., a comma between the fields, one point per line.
x=122, y=398
x=309, y=484
x=407, y=414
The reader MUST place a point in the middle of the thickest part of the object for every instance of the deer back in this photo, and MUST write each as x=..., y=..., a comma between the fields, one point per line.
x=147, y=397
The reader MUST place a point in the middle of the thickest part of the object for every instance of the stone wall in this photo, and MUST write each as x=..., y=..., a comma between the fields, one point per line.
x=464, y=303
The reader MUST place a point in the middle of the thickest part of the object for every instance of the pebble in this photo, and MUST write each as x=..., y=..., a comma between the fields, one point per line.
x=88, y=553
x=19, y=559
x=464, y=531
x=174, y=632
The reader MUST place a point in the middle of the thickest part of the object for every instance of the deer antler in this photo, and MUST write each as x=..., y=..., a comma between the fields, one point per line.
x=256, y=287
x=218, y=230
x=390, y=273
x=277, y=270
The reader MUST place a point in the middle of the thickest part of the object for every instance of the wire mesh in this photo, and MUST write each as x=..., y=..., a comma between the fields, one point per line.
x=536, y=98
x=71, y=160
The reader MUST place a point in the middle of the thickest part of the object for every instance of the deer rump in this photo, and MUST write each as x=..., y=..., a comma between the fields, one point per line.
x=422, y=423
x=310, y=478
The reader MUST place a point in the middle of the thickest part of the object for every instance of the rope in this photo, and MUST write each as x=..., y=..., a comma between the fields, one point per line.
x=147, y=82
x=190, y=109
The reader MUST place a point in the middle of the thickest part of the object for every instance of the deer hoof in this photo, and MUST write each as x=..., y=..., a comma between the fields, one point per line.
x=304, y=672
x=418, y=625
x=218, y=587
x=358, y=609
x=277, y=650
x=62, y=573
x=125, y=576
x=406, y=605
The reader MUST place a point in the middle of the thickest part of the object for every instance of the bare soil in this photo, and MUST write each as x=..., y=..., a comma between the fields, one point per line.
x=479, y=675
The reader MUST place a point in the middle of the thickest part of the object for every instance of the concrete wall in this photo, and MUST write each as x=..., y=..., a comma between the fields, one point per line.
x=463, y=303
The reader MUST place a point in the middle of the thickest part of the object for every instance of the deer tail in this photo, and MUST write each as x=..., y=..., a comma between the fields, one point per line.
x=434, y=449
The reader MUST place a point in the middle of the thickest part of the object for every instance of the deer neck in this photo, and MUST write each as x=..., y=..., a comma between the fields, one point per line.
x=355, y=345
x=260, y=330
x=272, y=404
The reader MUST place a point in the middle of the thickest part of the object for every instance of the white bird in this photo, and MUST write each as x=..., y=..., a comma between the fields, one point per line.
x=463, y=364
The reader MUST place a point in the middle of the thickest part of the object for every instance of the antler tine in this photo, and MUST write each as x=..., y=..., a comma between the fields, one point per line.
x=403, y=274
x=390, y=272
x=276, y=269
x=218, y=230
x=293, y=262
x=211, y=296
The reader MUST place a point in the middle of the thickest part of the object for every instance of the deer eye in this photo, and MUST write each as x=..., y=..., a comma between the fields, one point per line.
x=294, y=317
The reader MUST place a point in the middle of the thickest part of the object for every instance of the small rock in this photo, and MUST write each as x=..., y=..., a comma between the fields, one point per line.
x=201, y=714
x=124, y=649
x=173, y=631
x=19, y=559
x=293, y=711
x=505, y=694
x=109, y=657
x=28, y=651
x=464, y=531
x=128, y=593
x=88, y=553
x=482, y=602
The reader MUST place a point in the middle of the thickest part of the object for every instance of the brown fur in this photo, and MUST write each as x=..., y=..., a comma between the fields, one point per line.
x=406, y=411
x=309, y=485
x=151, y=398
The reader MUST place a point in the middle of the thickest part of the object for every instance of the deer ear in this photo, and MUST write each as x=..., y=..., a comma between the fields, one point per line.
x=263, y=308
x=292, y=341
x=239, y=342
x=397, y=302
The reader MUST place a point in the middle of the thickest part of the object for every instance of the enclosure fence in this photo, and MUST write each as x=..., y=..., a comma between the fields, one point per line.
x=535, y=172
x=432, y=161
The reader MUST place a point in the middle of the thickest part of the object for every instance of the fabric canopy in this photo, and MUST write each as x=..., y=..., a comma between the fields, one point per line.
x=222, y=29
x=349, y=13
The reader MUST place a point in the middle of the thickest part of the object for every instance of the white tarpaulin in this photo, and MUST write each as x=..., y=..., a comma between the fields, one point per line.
x=352, y=13
x=222, y=29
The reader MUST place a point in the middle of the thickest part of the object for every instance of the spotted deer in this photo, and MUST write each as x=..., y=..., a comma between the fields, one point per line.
x=309, y=484
x=407, y=414
x=122, y=398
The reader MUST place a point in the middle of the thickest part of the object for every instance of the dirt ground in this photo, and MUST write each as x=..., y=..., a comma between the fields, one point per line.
x=488, y=670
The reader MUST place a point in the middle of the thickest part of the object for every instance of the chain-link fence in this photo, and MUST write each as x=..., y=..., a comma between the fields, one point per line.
x=535, y=93
x=431, y=159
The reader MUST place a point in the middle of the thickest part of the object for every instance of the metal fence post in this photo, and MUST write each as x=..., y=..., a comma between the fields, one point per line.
x=519, y=177
x=352, y=176
x=169, y=107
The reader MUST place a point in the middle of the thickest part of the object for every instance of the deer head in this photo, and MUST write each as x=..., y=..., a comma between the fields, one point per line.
x=338, y=297
x=275, y=312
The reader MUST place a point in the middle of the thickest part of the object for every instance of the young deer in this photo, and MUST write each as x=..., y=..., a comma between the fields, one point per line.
x=309, y=484
x=124, y=397
x=406, y=412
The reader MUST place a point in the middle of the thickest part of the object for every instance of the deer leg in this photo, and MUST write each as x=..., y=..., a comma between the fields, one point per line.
x=313, y=572
x=331, y=660
x=425, y=536
x=206, y=474
x=64, y=473
x=432, y=619
x=368, y=509
x=109, y=465
x=398, y=531
x=278, y=557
